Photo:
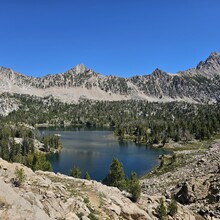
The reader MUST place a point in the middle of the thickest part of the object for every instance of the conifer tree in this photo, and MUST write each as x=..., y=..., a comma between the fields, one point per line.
x=172, y=207
x=87, y=176
x=75, y=172
x=134, y=187
x=116, y=176
x=161, y=210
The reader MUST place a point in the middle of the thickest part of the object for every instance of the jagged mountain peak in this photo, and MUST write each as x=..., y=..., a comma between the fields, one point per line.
x=4, y=68
x=158, y=73
x=80, y=68
x=214, y=54
x=213, y=61
x=11, y=74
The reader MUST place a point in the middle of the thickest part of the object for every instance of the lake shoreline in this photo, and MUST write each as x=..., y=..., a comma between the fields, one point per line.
x=92, y=150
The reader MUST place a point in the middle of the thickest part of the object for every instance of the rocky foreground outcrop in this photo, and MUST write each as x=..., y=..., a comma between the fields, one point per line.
x=46, y=195
x=196, y=184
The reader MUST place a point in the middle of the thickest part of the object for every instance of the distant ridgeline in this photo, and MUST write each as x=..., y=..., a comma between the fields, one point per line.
x=199, y=84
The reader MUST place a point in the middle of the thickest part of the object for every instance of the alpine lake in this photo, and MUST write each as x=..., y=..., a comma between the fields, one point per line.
x=92, y=150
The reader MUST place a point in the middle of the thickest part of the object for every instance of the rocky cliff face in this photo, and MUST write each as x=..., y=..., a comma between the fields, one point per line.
x=8, y=105
x=200, y=84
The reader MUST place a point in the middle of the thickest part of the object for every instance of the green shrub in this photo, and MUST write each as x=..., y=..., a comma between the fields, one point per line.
x=161, y=210
x=134, y=187
x=172, y=208
x=92, y=217
x=75, y=172
x=87, y=176
x=20, y=176
x=116, y=176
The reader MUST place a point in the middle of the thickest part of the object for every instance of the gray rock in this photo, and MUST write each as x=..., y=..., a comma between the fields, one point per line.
x=200, y=84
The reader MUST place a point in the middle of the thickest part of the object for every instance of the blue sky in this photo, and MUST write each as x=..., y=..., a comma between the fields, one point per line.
x=118, y=37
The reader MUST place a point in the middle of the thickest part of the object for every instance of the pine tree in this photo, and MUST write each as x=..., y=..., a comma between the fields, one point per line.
x=75, y=172
x=87, y=176
x=134, y=187
x=20, y=176
x=40, y=162
x=161, y=210
x=172, y=207
x=116, y=176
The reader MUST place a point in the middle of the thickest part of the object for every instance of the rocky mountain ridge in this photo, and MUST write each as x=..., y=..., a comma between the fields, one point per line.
x=199, y=84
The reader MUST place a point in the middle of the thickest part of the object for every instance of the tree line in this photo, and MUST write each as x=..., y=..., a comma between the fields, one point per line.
x=17, y=144
x=141, y=121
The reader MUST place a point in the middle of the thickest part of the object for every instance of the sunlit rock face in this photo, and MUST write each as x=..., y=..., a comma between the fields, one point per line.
x=199, y=84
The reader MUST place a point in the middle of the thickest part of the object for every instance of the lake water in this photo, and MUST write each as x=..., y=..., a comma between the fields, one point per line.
x=93, y=150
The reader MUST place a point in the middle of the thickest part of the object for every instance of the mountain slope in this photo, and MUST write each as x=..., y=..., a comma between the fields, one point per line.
x=199, y=84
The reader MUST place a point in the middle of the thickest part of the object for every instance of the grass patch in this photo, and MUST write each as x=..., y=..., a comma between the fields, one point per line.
x=86, y=200
x=92, y=217
x=80, y=215
x=101, y=199
x=73, y=191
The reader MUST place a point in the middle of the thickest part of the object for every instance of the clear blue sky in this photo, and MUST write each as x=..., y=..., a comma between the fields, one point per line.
x=119, y=37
